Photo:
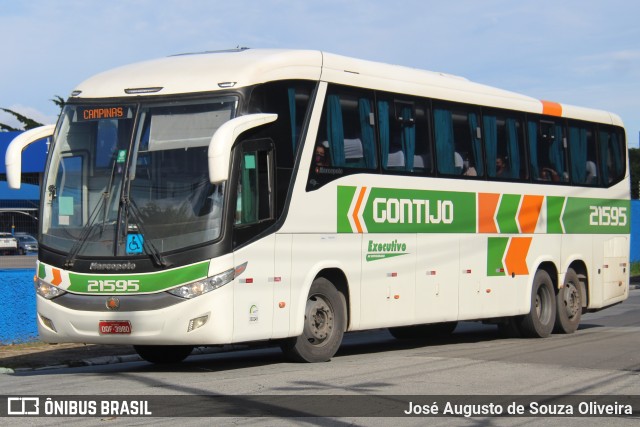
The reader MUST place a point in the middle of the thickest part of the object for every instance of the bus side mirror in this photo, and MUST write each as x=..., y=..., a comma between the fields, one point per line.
x=13, y=157
x=224, y=138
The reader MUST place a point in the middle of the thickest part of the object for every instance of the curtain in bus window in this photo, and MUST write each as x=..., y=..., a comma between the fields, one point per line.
x=476, y=144
x=383, y=124
x=578, y=141
x=513, y=151
x=445, y=150
x=335, y=131
x=292, y=114
x=408, y=137
x=556, y=152
x=367, y=135
x=491, y=143
x=533, y=149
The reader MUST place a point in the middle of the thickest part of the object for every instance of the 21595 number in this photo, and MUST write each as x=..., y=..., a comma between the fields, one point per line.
x=608, y=215
x=113, y=285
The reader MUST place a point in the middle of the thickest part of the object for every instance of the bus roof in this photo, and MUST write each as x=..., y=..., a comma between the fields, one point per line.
x=211, y=71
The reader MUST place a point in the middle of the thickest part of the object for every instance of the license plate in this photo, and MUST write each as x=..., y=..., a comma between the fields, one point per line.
x=109, y=327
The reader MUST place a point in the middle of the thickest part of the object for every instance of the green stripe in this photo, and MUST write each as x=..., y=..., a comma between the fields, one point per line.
x=554, y=210
x=597, y=216
x=345, y=195
x=496, y=247
x=149, y=282
x=396, y=210
x=389, y=210
x=507, y=213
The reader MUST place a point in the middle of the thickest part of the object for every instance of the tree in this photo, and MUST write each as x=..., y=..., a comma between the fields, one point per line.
x=27, y=123
x=59, y=101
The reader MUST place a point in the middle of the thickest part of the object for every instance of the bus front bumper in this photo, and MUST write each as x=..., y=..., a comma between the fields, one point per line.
x=199, y=321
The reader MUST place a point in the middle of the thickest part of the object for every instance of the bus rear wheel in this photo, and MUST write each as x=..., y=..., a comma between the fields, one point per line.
x=541, y=318
x=569, y=304
x=163, y=354
x=325, y=321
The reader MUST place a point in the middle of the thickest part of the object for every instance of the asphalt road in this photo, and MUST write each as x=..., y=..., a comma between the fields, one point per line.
x=601, y=359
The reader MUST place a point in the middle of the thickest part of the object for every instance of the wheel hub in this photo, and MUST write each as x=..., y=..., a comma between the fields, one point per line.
x=319, y=319
x=571, y=299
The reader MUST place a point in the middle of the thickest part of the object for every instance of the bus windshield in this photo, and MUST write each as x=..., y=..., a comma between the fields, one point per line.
x=127, y=180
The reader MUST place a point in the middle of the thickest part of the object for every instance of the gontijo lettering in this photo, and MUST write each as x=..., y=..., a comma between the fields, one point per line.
x=412, y=210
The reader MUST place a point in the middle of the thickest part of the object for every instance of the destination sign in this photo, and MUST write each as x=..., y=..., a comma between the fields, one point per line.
x=99, y=113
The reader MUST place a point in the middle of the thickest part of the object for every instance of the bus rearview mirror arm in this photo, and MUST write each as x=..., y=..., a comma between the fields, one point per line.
x=13, y=157
x=225, y=137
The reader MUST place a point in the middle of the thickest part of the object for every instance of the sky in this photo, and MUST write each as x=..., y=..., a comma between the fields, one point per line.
x=580, y=52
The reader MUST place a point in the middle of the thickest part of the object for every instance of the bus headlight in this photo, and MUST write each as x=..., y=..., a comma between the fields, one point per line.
x=47, y=290
x=195, y=289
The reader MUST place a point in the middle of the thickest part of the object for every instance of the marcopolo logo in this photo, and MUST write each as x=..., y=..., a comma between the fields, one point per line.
x=377, y=250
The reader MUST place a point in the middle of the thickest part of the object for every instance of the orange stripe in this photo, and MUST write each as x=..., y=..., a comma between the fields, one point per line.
x=529, y=213
x=487, y=204
x=551, y=108
x=357, y=209
x=516, y=259
x=57, y=277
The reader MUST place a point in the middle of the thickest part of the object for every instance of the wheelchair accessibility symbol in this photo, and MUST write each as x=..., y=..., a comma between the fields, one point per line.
x=135, y=243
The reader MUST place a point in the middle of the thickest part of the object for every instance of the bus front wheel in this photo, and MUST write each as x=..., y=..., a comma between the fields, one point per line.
x=325, y=321
x=163, y=354
x=541, y=318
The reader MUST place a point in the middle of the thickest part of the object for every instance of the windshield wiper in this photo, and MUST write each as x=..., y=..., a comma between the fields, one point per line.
x=86, y=230
x=129, y=207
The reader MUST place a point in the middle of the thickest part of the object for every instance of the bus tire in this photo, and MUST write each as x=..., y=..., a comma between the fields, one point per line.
x=325, y=321
x=423, y=332
x=163, y=354
x=569, y=304
x=539, y=322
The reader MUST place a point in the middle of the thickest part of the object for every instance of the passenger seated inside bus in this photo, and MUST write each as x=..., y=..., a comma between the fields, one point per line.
x=469, y=169
x=321, y=156
x=501, y=168
x=549, y=174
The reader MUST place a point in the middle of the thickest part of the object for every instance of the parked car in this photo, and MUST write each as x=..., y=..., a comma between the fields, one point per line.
x=8, y=244
x=26, y=243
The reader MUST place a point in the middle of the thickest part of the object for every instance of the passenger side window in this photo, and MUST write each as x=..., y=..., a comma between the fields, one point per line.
x=547, y=151
x=346, y=138
x=404, y=136
x=504, y=144
x=457, y=141
x=582, y=155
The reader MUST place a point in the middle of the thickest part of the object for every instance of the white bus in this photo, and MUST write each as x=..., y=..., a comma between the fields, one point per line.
x=254, y=195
